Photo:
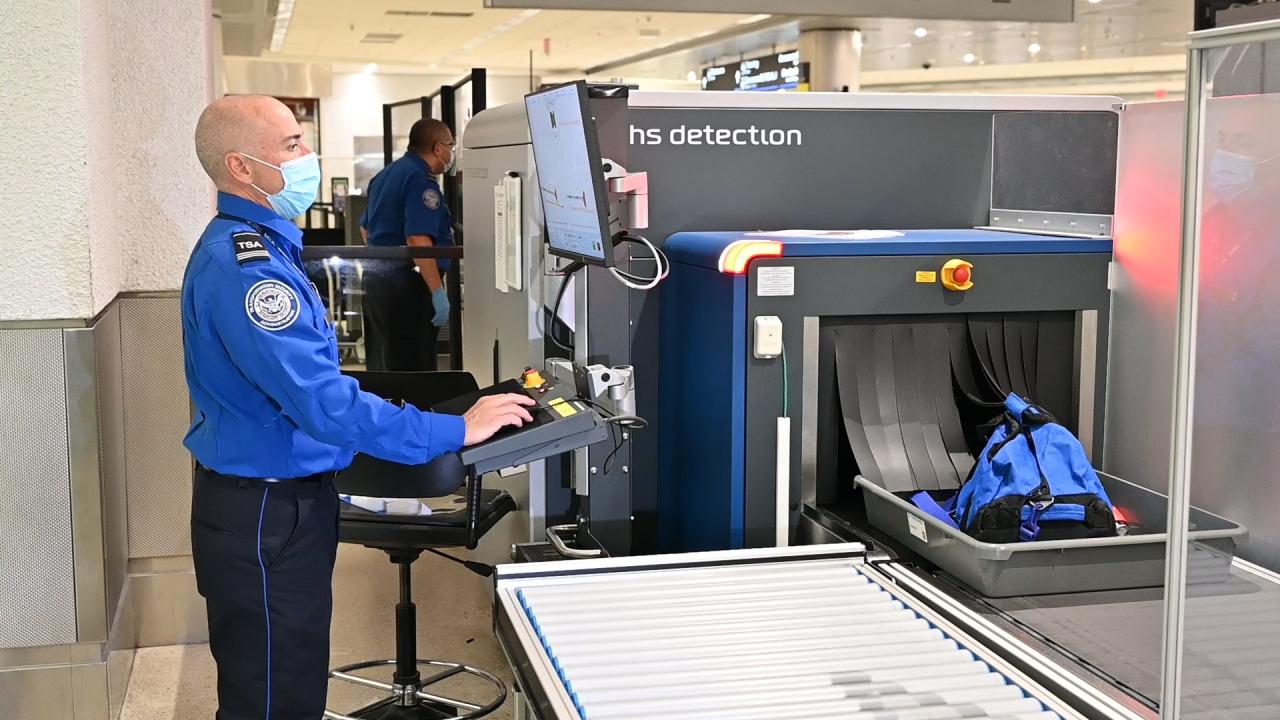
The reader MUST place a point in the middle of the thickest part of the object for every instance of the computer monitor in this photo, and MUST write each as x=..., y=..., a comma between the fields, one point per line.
x=566, y=152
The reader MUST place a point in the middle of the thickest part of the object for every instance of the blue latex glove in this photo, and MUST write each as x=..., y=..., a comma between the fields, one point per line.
x=440, y=301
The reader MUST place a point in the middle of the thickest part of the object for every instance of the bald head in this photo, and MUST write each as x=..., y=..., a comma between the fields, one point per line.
x=252, y=124
x=433, y=141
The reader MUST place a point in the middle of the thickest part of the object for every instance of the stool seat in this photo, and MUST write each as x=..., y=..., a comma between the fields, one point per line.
x=442, y=528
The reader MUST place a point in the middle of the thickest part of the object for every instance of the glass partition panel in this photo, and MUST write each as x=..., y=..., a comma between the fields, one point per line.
x=1230, y=660
x=381, y=310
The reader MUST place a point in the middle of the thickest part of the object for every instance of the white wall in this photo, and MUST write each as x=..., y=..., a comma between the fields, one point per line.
x=160, y=84
x=355, y=109
x=44, y=143
x=351, y=101
x=101, y=190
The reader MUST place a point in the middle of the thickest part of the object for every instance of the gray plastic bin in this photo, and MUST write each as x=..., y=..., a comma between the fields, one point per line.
x=1060, y=566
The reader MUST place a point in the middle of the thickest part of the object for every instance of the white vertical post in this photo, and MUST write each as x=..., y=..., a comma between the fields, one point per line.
x=782, y=480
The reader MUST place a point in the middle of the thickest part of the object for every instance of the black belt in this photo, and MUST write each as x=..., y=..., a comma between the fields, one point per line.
x=316, y=477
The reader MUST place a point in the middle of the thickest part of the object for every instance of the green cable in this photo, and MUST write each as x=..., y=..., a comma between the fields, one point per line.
x=786, y=393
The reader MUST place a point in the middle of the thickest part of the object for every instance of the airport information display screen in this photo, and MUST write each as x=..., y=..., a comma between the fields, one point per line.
x=566, y=152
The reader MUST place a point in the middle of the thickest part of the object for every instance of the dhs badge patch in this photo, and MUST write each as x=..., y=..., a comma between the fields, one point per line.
x=271, y=305
x=431, y=198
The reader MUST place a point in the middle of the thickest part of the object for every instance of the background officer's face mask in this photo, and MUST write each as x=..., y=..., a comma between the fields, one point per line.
x=301, y=185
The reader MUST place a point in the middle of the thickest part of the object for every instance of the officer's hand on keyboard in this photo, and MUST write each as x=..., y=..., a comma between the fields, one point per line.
x=494, y=412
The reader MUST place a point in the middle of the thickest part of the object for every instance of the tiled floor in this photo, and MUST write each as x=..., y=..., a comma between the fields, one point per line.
x=177, y=682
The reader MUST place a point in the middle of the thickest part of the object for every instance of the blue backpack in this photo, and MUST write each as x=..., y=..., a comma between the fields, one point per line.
x=1033, y=482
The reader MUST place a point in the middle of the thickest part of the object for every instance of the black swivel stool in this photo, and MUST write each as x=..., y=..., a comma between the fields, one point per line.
x=405, y=537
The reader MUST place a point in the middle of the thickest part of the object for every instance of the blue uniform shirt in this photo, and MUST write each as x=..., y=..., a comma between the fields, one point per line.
x=404, y=200
x=262, y=363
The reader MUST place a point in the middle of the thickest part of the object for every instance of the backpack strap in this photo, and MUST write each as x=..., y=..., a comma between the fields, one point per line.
x=1025, y=418
x=1040, y=500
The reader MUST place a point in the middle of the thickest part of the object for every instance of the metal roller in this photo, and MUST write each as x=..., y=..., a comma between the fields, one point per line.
x=848, y=710
x=794, y=683
x=861, y=678
x=896, y=612
x=818, y=660
x=692, y=649
x=669, y=707
x=799, y=626
x=777, y=639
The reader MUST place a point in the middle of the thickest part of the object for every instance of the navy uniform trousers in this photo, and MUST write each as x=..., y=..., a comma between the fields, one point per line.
x=264, y=554
x=398, y=310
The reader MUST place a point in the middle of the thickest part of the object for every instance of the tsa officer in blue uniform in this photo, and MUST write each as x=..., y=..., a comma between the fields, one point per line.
x=274, y=419
x=406, y=302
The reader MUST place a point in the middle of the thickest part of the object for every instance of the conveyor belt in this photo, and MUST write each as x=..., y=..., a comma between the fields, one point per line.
x=1230, y=668
x=793, y=637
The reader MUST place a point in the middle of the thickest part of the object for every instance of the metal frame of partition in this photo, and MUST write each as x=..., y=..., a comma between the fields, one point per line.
x=478, y=79
x=1183, y=392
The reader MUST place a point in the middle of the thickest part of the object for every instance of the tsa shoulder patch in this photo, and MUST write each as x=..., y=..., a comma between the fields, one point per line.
x=271, y=305
x=249, y=247
x=431, y=198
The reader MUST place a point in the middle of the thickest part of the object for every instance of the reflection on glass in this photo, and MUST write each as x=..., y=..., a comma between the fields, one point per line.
x=1231, y=650
x=340, y=283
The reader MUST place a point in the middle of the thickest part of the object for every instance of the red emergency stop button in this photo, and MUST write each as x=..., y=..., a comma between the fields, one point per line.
x=957, y=275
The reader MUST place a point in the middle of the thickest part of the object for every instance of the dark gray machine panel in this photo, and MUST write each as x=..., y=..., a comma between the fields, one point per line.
x=834, y=168
x=1055, y=161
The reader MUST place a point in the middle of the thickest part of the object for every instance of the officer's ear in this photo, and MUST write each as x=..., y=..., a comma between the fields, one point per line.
x=238, y=168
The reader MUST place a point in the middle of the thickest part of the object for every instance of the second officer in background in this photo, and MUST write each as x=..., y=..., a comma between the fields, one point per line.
x=406, y=303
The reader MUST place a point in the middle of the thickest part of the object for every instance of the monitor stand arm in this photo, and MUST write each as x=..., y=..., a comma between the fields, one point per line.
x=634, y=188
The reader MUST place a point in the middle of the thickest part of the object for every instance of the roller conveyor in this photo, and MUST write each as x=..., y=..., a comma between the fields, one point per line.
x=788, y=633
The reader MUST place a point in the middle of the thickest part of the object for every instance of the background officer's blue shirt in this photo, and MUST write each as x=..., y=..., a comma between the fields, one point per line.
x=405, y=200
x=262, y=363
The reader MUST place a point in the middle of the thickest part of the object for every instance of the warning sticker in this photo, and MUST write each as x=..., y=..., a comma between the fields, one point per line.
x=926, y=276
x=916, y=526
x=776, y=282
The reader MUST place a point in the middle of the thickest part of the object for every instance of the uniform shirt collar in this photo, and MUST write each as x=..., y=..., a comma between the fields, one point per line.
x=416, y=159
x=239, y=207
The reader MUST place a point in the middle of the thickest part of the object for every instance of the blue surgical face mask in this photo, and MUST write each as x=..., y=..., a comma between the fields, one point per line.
x=301, y=185
x=1231, y=175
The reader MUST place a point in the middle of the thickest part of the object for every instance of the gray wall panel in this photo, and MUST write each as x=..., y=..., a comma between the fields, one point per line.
x=1144, y=297
x=106, y=338
x=37, y=693
x=156, y=416
x=38, y=596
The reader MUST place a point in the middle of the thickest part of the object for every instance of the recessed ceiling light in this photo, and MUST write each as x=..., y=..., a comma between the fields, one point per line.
x=969, y=58
x=284, y=14
x=921, y=32
x=1094, y=2
x=370, y=69
x=1033, y=48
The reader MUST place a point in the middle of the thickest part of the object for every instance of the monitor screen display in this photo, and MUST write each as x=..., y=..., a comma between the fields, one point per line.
x=566, y=152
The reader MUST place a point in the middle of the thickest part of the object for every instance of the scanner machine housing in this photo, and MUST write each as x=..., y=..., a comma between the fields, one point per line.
x=720, y=404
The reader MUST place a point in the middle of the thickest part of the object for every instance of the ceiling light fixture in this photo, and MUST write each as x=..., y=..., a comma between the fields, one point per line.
x=692, y=76
x=476, y=42
x=284, y=13
x=1034, y=48
x=370, y=69
x=1094, y=2
x=754, y=19
x=969, y=58
x=921, y=32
